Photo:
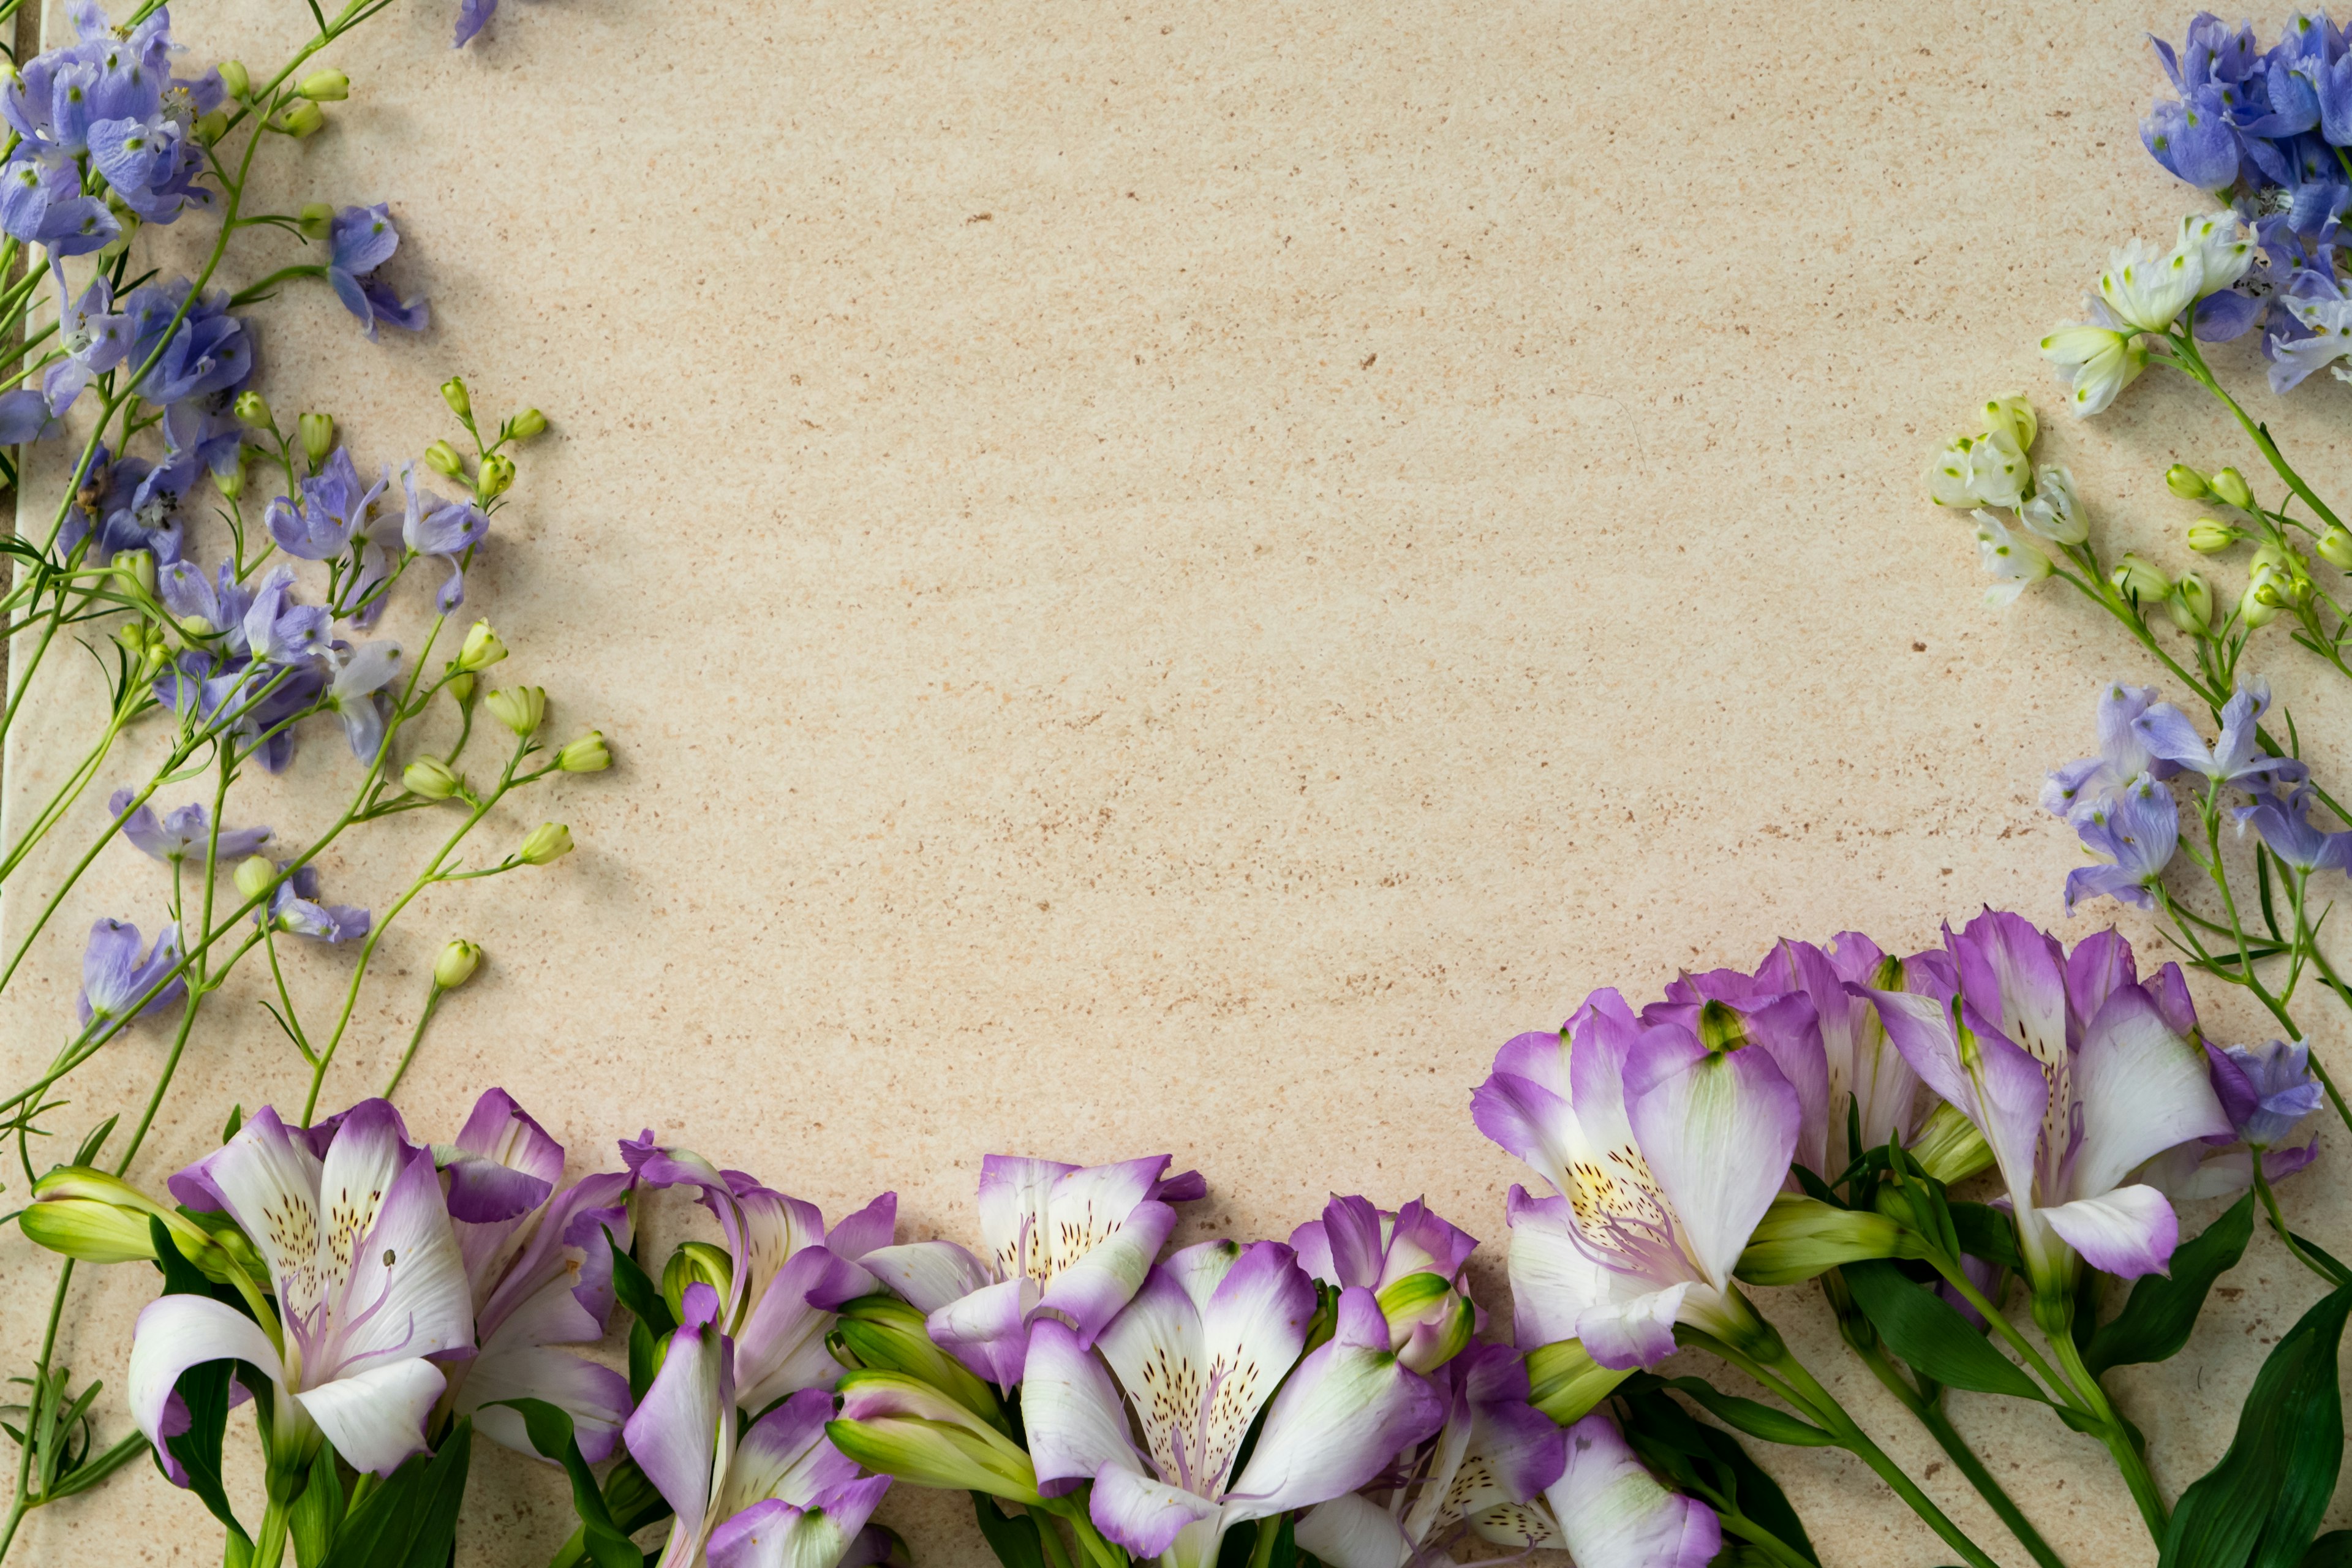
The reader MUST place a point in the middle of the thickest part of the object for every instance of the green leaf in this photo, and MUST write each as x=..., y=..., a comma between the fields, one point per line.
x=638, y=1293
x=318, y=1513
x=1757, y=1420
x=645, y=1358
x=1931, y=1335
x=1985, y=1232
x=2156, y=1320
x=551, y=1432
x=2333, y=1550
x=1758, y=1497
x=411, y=1520
x=2263, y=1503
x=631, y=1497
x=204, y=1390
x=91, y=1145
x=1012, y=1536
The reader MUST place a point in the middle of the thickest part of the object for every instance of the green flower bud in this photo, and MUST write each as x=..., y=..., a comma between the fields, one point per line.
x=1801, y=1237
x=443, y=459
x=138, y=566
x=897, y=1426
x=316, y=220
x=496, y=478
x=462, y=687
x=548, y=842
x=588, y=755
x=2013, y=415
x=2230, y=489
x=2335, y=549
x=882, y=1333
x=2185, y=482
x=325, y=87
x=88, y=1231
x=524, y=426
x=694, y=1263
x=254, y=409
x=255, y=875
x=2259, y=605
x=234, y=77
x=481, y=649
x=301, y=120
x=146, y=643
x=521, y=709
x=453, y=393
x=432, y=778
x=318, y=433
x=1428, y=1320
x=231, y=484
x=2134, y=578
x=212, y=127
x=2191, y=604
x=2209, y=537
x=456, y=963
x=1949, y=1147
x=1566, y=1384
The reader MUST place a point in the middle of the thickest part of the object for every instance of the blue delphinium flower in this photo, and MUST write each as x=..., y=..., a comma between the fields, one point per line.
x=362, y=239
x=128, y=503
x=183, y=833
x=2122, y=755
x=333, y=512
x=2137, y=830
x=472, y=17
x=208, y=356
x=94, y=336
x=280, y=631
x=114, y=976
x=2279, y=1090
x=2235, y=757
x=356, y=695
x=2284, y=821
x=294, y=907
x=216, y=605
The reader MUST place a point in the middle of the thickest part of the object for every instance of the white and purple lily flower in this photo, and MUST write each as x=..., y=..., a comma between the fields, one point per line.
x=781, y=1497
x=788, y=1271
x=1410, y=1259
x=2265, y=1091
x=2069, y=1105
x=1214, y=1331
x=1069, y=1242
x=1864, y=1069
x=2123, y=755
x=1724, y=1008
x=183, y=833
x=539, y=1267
x=114, y=977
x=1495, y=1454
x=2235, y=757
x=2138, y=829
x=368, y=1278
x=1664, y=1154
x=356, y=694
x=1608, y=1512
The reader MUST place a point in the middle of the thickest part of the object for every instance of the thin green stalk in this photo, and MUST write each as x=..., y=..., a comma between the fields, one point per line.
x=1930, y=1415
x=432, y=1005
x=2128, y=1459
x=2334, y=1276
x=1956, y=1278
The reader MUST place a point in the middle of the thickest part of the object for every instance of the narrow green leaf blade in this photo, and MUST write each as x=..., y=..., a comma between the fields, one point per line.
x=2156, y=1319
x=1757, y=1420
x=1931, y=1335
x=551, y=1432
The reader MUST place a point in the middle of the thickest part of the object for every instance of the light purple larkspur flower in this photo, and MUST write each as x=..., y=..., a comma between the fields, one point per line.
x=93, y=334
x=2137, y=830
x=362, y=239
x=280, y=631
x=355, y=694
x=2284, y=821
x=2235, y=757
x=208, y=356
x=1494, y=1456
x=1069, y=1242
x=217, y=605
x=1664, y=1154
x=2264, y=1091
x=2123, y=755
x=367, y=1275
x=42, y=202
x=790, y=1272
x=1214, y=1332
x=1355, y=1244
x=473, y=15
x=114, y=976
x=184, y=833
x=539, y=1266
x=780, y=1495
x=2069, y=1106
x=294, y=907
x=333, y=509
x=2324, y=312
x=2281, y=1091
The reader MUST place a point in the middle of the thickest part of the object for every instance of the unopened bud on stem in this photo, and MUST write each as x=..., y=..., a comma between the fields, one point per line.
x=318, y=434
x=301, y=120
x=519, y=708
x=481, y=649
x=453, y=393
x=316, y=220
x=548, y=842
x=528, y=423
x=456, y=963
x=2191, y=605
x=255, y=874
x=2207, y=537
x=496, y=478
x=254, y=409
x=443, y=459
x=325, y=87
x=235, y=78
x=588, y=755
x=2134, y=578
x=2229, y=486
x=2185, y=482
x=2335, y=549
x=432, y=778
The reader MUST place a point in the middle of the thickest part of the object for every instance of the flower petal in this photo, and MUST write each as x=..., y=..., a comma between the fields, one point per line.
x=1718, y=1129
x=1615, y=1514
x=176, y=1332
x=1071, y=1410
x=375, y=1418
x=2141, y=1088
x=596, y=1397
x=675, y=1435
x=1352, y=1531
x=1143, y=1514
x=926, y=1274
x=988, y=1330
x=2127, y=1231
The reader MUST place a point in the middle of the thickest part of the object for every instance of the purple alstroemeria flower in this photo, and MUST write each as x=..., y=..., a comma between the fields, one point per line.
x=781, y=1495
x=206, y=607
x=114, y=977
x=2137, y=830
x=2236, y=757
x=332, y=510
x=1216, y=1331
x=362, y=239
x=1064, y=1241
x=93, y=335
x=2284, y=821
x=367, y=1275
x=1495, y=1454
x=1664, y=1155
x=788, y=1271
x=184, y=833
x=2123, y=756
x=2070, y=1105
x=539, y=1266
x=1725, y=1009
x=1865, y=1070
x=294, y=907
x=1410, y=1259
x=278, y=630
x=355, y=694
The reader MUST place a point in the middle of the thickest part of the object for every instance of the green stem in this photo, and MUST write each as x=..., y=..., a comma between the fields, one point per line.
x=2184, y=347
x=1959, y=1280
x=270, y=1545
x=1763, y=1540
x=432, y=1005
x=2333, y=1275
x=1930, y=1415
x=2128, y=1460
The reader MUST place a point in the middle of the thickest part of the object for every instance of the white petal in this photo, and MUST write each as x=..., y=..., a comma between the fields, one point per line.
x=270, y=1182
x=928, y=1274
x=375, y=1418
x=176, y=1332
x=408, y=1293
x=2142, y=1090
x=1352, y=1531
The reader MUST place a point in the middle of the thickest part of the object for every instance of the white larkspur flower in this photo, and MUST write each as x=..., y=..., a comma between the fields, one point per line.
x=2095, y=362
x=2015, y=564
x=2146, y=291
x=2222, y=246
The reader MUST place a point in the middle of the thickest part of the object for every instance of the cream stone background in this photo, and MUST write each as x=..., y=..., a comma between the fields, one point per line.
x=1167, y=578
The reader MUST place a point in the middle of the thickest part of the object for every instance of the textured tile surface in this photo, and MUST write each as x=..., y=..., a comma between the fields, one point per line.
x=1167, y=578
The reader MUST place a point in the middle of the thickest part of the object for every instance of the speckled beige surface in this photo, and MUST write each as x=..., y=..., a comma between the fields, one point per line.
x=1167, y=578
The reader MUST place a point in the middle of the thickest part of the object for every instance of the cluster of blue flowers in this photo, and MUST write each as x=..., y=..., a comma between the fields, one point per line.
x=2267, y=132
